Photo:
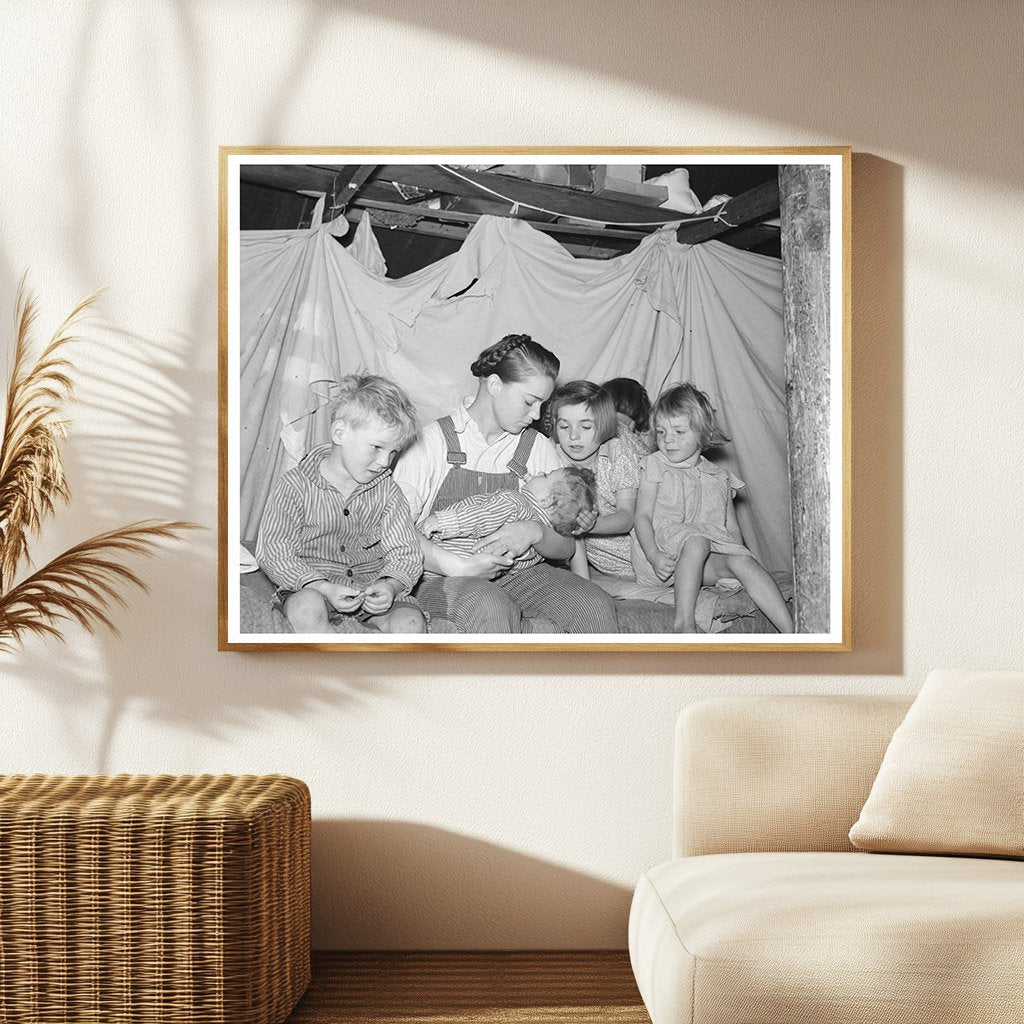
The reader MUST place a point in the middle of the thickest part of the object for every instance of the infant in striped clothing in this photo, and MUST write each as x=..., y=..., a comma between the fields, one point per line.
x=557, y=499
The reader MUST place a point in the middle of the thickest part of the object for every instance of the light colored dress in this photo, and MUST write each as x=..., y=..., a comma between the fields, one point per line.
x=642, y=443
x=691, y=502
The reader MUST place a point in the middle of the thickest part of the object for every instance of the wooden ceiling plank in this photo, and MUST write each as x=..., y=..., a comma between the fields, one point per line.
x=756, y=204
x=458, y=217
x=748, y=208
x=289, y=177
x=566, y=202
x=355, y=182
x=750, y=235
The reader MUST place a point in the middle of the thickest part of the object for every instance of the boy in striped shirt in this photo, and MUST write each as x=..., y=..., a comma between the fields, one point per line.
x=337, y=536
x=556, y=499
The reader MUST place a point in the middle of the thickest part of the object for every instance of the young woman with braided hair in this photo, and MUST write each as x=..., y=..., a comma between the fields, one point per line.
x=486, y=445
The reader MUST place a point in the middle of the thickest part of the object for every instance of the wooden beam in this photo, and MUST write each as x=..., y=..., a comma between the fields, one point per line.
x=805, y=299
x=299, y=177
x=756, y=204
x=426, y=227
x=355, y=182
x=749, y=236
x=290, y=177
x=566, y=202
x=458, y=217
x=760, y=202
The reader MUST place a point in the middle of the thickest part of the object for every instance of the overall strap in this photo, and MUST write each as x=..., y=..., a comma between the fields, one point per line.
x=456, y=456
x=517, y=464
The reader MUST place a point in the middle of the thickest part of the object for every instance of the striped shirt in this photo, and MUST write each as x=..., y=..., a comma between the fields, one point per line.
x=311, y=531
x=465, y=522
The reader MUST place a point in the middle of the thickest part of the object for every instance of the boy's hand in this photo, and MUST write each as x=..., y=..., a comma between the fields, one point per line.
x=340, y=597
x=379, y=596
x=663, y=565
x=431, y=527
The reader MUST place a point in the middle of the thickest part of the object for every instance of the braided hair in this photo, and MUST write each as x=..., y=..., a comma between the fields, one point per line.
x=515, y=358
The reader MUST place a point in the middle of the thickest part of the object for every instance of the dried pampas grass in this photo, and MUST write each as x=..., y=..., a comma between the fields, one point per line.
x=82, y=584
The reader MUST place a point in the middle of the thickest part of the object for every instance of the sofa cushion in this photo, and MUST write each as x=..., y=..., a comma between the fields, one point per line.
x=950, y=781
x=781, y=938
x=777, y=772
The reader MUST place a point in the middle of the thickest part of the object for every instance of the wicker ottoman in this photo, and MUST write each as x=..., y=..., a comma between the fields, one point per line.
x=172, y=899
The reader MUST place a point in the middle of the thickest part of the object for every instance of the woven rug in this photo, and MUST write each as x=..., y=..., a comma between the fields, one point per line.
x=594, y=987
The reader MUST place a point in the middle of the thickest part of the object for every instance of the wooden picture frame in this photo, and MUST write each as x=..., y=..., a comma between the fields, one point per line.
x=557, y=244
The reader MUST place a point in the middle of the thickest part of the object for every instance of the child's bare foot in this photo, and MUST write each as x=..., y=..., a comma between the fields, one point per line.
x=685, y=626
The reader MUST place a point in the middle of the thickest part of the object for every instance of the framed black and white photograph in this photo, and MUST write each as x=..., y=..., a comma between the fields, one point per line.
x=556, y=399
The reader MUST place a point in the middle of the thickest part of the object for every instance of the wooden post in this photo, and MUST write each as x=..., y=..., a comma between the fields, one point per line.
x=804, y=209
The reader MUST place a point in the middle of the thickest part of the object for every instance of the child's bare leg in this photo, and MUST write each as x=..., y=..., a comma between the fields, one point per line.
x=688, y=575
x=306, y=611
x=403, y=618
x=763, y=591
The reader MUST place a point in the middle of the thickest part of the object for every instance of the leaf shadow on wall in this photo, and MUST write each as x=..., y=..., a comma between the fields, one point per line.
x=404, y=885
x=146, y=443
x=145, y=437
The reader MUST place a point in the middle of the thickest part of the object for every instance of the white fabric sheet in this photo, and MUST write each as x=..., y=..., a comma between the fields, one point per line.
x=312, y=311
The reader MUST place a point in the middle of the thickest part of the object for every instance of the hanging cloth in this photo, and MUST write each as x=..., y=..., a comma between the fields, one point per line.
x=311, y=312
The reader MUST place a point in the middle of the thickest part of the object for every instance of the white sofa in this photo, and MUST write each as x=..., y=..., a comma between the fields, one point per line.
x=768, y=915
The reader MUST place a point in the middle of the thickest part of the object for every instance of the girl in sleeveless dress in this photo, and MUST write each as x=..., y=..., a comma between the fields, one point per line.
x=686, y=525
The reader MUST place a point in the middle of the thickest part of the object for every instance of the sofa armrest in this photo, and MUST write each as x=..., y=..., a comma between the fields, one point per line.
x=781, y=773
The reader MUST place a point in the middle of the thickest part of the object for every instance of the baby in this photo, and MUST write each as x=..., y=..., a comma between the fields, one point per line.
x=685, y=521
x=337, y=536
x=557, y=499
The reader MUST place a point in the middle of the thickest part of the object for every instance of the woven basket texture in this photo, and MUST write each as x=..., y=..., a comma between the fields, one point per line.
x=139, y=899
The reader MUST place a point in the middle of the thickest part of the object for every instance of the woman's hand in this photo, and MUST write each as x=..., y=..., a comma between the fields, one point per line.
x=511, y=540
x=485, y=566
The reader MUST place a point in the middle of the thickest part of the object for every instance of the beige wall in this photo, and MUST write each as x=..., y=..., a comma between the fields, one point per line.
x=480, y=800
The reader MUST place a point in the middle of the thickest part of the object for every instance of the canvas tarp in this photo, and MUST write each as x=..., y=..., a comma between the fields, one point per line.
x=312, y=311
